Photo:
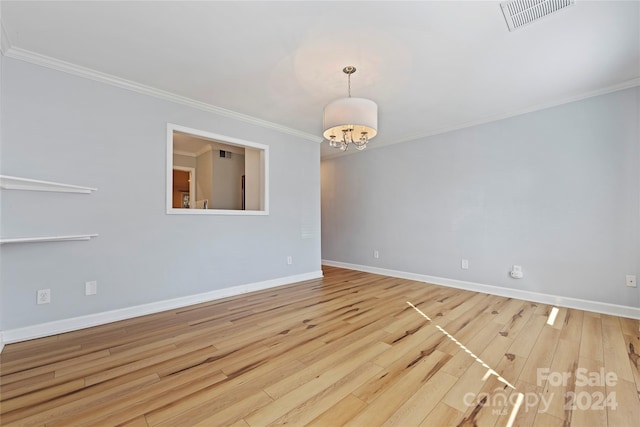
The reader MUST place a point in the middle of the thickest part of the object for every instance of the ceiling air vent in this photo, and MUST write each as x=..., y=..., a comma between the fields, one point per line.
x=522, y=12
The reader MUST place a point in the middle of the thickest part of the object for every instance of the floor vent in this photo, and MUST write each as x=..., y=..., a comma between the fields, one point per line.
x=518, y=13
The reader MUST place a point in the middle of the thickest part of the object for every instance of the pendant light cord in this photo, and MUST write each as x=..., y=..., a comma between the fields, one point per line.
x=348, y=71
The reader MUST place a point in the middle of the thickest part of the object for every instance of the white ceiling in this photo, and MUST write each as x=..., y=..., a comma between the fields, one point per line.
x=430, y=66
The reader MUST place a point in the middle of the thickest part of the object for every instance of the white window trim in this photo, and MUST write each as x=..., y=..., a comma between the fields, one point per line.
x=224, y=139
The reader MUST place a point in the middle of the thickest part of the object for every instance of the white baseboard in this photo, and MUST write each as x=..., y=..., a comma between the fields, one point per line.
x=82, y=322
x=580, y=304
x=1, y=342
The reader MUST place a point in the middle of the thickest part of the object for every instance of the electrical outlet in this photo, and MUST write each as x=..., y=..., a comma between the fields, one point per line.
x=289, y=260
x=91, y=288
x=516, y=272
x=464, y=264
x=44, y=296
x=376, y=254
x=631, y=281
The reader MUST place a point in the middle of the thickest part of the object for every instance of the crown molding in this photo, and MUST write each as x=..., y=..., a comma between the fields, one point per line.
x=88, y=73
x=5, y=45
x=184, y=153
x=561, y=101
x=70, y=68
x=555, y=103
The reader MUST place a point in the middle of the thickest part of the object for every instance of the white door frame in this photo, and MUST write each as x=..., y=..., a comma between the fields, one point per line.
x=192, y=184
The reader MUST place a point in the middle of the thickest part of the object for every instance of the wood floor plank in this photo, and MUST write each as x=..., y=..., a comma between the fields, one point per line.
x=529, y=408
x=489, y=359
x=143, y=400
x=584, y=414
x=629, y=326
x=393, y=373
x=524, y=342
x=296, y=397
x=340, y=413
x=572, y=325
x=19, y=350
x=29, y=359
x=234, y=413
x=511, y=310
x=137, y=422
x=156, y=356
x=518, y=320
x=565, y=364
x=470, y=383
x=488, y=405
x=442, y=415
x=541, y=354
x=317, y=366
x=346, y=349
x=613, y=339
x=487, y=336
x=240, y=423
x=424, y=335
x=559, y=319
x=49, y=414
x=392, y=398
x=627, y=405
x=51, y=367
x=591, y=338
x=463, y=330
x=12, y=389
x=510, y=366
x=544, y=419
x=415, y=409
x=313, y=407
x=218, y=397
x=88, y=367
x=632, y=344
x=45, y=394
x=496, y=352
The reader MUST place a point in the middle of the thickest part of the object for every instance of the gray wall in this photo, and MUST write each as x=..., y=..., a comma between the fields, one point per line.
x=204, y=177
x=227, y=181
x=64, y=128
x=253, y=186
x=1, y=193
x=556, y=191
x=184, y=161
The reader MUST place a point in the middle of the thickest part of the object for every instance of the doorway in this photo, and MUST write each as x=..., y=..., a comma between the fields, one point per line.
x=183, y=188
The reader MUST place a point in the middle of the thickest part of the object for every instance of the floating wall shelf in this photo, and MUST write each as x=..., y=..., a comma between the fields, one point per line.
x=15, y=183
x=47, y=239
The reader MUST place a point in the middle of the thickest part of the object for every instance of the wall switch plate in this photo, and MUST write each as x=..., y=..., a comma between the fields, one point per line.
x=376, y=254
x=464, y=264
x=631, y=281
x=91, y=288
x=44, y=296
x=289, y=260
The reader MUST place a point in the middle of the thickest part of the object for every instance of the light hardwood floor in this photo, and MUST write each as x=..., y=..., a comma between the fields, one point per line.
x=344, y=350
